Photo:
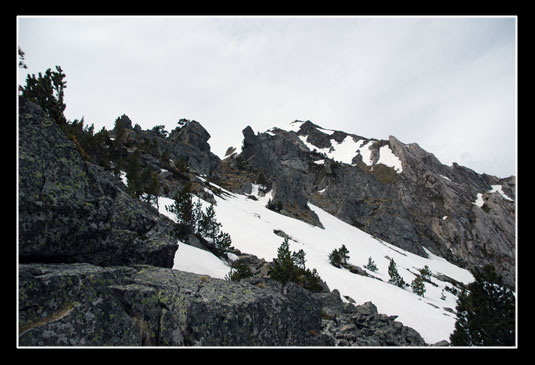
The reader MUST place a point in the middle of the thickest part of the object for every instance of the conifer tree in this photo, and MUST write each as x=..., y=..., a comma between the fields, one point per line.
x=182, y=208
x=133, y=174
x=344, y=253
x=395, y=278
x=426, y=273
x=238, y=271
x=418, y=286
x=371, y=265
x=48, y=92
x=290, y=267
x=283, y=265
x=485, y=312
x=335, y=258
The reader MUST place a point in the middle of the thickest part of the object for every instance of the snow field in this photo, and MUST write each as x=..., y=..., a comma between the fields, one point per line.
x=251, y=227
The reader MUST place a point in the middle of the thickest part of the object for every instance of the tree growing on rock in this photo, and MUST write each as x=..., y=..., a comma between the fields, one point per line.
x=290, y=267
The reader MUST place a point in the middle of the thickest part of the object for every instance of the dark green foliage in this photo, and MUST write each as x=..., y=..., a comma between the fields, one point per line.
x=133, y=174
x=47, y=91
x=238, y=271
x=339, y=256
x=371, y=265
x=160, y=129
x=210, y=229
x=274, y=206
x=335, y=258
x=395, y=278
x=290, y=267
x=183, y=122
x=485, y=312
x=191, y=219
x=418, y=286
x=425, y=273
x=182, y=208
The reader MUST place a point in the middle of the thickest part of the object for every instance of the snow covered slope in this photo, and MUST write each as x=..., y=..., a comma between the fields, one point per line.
x=252, y=226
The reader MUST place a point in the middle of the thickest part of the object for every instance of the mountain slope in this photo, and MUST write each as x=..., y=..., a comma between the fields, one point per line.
x=395, y=191
x=254, y=228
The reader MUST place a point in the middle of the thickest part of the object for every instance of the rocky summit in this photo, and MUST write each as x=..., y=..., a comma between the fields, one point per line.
x=96, y=256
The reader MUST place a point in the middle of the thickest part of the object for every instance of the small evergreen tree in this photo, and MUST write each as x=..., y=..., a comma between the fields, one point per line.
x=339, y=256
x=335, y=258
x=153, y=189
x=183, y=210
x=426, y=273
x=371, y=265
x=485, y=312
x=344, y=253
x=133, y=174
x=238, y=271
x=418, y=286
x=395, y=278
x=299, y=258
x=290, y=267
x=283, y=265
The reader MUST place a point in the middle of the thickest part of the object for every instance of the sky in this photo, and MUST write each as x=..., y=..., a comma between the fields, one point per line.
x=446, y=83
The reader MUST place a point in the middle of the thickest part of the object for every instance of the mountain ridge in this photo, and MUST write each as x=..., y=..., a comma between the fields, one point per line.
x=402, y=199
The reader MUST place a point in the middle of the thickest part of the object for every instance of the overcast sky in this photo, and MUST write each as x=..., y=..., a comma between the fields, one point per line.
x=446, y=83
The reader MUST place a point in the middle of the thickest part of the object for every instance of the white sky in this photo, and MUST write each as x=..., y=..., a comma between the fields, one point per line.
x=446, y=83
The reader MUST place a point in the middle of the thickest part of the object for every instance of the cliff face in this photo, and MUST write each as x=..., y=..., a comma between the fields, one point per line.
x=73, y=211
x=397, y=192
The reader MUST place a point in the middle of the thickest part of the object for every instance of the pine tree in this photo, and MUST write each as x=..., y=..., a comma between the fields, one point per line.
x=299, y=258
x=290, y=267
x=371, y=265
x=283, y=265
x=48, y=92
x=418, y=286
x=485, y=312
x=395, y=278
x=344, y=253
x=426, y=273
x=238, y=271
x=133, y=174
x=335, y=258
x=182, y=208
x=152, y=189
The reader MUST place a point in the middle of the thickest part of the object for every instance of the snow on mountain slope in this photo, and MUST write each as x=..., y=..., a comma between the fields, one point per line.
x=252, y=226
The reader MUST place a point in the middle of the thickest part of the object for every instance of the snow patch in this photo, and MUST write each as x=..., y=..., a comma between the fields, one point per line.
x=494, y=189
x=387, y=157
x=195, y=260
x=498, y=189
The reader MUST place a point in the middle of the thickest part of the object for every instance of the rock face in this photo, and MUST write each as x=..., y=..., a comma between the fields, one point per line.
x=73, y=211
x=394, y=191
x=145, y=305
x=362, y=325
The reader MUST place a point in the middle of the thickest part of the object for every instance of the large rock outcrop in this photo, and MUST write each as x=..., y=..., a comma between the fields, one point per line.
x=145, y=305
x=73, y=211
